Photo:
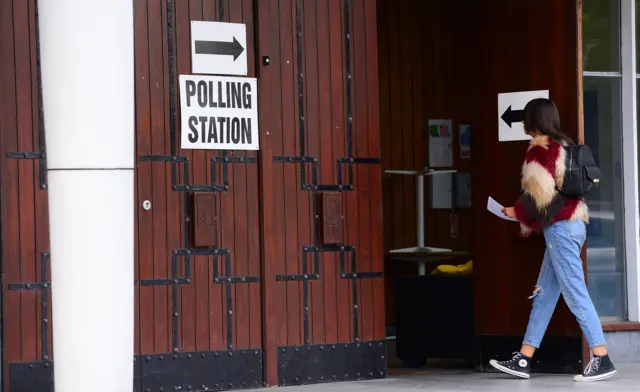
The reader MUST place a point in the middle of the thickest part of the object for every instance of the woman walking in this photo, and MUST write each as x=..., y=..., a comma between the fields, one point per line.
x=562, y=220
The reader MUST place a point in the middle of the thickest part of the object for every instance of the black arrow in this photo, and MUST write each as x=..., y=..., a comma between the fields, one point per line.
x=512, y=116
x=220, y=48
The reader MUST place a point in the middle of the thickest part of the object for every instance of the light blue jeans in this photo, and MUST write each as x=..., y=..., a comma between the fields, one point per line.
x=562, y=272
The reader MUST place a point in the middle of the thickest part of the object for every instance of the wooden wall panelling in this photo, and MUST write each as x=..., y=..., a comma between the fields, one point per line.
x=423, y=68
x=452, y=83
x=510, y=271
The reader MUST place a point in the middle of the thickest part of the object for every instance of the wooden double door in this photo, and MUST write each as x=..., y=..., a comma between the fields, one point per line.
x=252, y=268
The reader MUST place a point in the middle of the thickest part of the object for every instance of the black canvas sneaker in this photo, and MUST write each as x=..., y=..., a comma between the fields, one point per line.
x=599, y=368
x=519, y=365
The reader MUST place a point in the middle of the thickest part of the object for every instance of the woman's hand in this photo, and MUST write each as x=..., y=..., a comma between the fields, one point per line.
x=510, y=212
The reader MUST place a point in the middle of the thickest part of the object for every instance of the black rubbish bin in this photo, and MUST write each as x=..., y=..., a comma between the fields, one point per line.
x=434, y=318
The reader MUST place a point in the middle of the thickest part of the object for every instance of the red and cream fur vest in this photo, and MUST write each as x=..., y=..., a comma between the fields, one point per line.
x=541, y=204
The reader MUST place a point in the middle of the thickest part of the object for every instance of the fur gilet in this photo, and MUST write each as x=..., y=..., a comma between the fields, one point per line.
x=541, y=204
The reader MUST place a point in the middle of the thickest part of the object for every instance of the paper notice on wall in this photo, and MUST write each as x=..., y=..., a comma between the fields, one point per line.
x=465, y=141
x=440, y=143
x=496, y=209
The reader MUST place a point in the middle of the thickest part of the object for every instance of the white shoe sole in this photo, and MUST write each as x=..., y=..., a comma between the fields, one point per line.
x=581, y=378
x=512, y=372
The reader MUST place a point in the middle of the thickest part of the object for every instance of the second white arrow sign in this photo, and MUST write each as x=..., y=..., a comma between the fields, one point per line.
x=511, y=112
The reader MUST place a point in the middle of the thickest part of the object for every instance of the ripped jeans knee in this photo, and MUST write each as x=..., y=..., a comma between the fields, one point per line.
x=537, y=290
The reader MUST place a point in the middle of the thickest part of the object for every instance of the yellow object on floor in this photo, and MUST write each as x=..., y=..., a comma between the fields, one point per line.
x=462, y=269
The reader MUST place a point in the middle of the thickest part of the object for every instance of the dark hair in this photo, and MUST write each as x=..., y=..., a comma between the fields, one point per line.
x=542, y=115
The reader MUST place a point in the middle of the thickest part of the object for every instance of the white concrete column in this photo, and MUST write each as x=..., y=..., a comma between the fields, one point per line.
x=87, y=59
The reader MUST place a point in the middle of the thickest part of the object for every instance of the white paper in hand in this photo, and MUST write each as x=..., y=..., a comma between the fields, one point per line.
x=496, y=208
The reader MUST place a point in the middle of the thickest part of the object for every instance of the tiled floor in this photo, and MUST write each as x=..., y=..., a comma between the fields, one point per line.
x=628, y=379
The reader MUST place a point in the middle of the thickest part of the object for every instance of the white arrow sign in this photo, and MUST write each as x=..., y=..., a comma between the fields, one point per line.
x=218, y=48
x=511, y=114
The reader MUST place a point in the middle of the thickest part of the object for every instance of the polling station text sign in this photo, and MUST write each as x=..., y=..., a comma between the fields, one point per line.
x=219, y=112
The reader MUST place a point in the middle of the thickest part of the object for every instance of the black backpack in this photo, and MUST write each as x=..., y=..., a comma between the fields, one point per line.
x=582, y=175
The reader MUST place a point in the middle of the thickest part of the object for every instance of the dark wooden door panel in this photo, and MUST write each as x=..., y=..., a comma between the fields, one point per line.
x=319, y=103
x=199, y=297
x=27, y=343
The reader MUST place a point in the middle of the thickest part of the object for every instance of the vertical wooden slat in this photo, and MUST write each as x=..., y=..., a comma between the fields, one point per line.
x=217, y=311
x=396, y=183
x=375, y=172
x=362, y=135
x=404, y=128
x=382, y=26
x=162, y=294
x=351, y=198
x=302, y=138
x=430, y=35
x=26, y=203
x=271, y=293
x=338, y=134
x=287, y=135
x=40, y=201
x=182, y=34
x=329, y=271
x=238, y=178
x=189, y=302
x=271, y=182
x=207, y=310
x=384, y=60
x=251, y=184
x=137, y=202
x=144, y=177
x=312, y=140
x=10, y=188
